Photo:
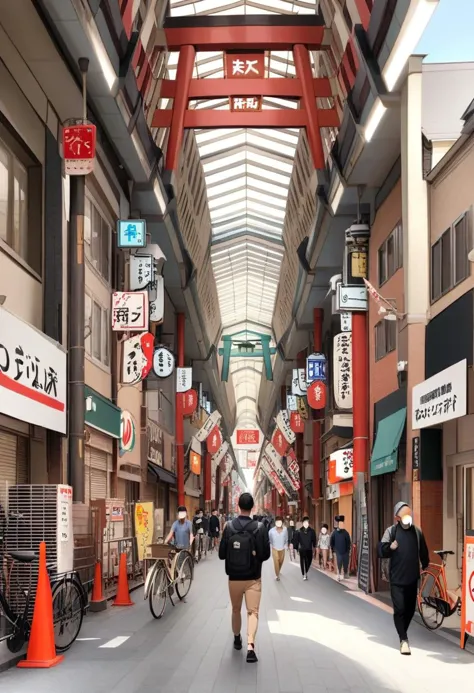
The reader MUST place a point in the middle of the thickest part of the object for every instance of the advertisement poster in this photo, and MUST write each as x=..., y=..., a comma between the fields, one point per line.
x=144, y=522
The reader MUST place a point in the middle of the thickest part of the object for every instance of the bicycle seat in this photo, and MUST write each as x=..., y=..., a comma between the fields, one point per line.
x=23, y=556
x=443, y=553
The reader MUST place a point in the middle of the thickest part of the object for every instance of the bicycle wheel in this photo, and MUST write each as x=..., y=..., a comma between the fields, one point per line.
x=429, y=592
x=184, y=572
x=158, y=592
x=68, y=612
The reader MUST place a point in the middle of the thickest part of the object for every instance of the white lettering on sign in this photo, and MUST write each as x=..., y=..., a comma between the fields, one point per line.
x=342, y=368
x=245, y=67
x=130, y=311
x=250, y=103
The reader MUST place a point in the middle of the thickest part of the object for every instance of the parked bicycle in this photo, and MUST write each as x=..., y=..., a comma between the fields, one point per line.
x=435, y=603
x=173, y=571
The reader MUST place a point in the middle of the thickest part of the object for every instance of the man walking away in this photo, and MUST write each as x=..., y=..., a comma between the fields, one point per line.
x=244, y=547
x=214, y=527
x=278, y=536
x=405, y=546
x=341, y=546
x=304, y=541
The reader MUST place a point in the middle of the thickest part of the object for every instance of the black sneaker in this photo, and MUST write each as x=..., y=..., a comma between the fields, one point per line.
x=251, y=656
x=237, y=642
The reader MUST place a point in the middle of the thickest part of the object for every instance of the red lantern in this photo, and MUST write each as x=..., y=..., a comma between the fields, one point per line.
x=296, y=422
x=279, y=442
x=214, y=440
x=316, y=395
x=188, y=402
x=79, y=149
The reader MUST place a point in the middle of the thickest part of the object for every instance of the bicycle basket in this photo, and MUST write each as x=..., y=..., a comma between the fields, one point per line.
x=160, y=550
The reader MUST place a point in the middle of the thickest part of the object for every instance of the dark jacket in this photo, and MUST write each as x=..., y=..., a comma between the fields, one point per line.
x=214, y=524
x=341, y=541
x=405, y=560
x=262, y=546
x=200, y=523
x=304, y=539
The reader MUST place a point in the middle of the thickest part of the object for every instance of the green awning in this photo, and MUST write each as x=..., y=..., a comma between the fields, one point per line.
x=385, y=453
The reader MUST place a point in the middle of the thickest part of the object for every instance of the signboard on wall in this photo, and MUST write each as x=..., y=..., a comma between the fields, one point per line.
x=342, y=369
x=343, y=460
x=130, y=311
x=441, y=398
x=283, y=423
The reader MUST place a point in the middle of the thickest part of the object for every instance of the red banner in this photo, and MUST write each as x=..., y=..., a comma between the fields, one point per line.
x=279, y=442
x=188, y=402
x=214, y=440
x=245, y=66
x=195, y=462
x=296, y=422
x=248, y=437
x=317, y=395
x=79, y=149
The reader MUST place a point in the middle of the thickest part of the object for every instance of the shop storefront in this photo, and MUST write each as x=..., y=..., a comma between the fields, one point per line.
x=102, y=420
x=160, y=486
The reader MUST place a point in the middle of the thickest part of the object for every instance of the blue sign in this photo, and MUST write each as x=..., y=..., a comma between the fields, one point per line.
x=131, y=233
x=316, y=368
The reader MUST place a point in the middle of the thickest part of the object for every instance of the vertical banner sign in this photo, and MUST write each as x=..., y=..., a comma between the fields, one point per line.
x=142, y=271
x=283, y=423
x=415, y=456
x=274, y=461
x=291, y=403
x=79, y=149
x=184, y=379
x=316, y=368
x=342, y=366
x=296, y=384
x=245, y=66
x=144, y=519
x=296, y=422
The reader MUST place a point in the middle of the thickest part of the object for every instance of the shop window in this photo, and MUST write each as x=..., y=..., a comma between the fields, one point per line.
x=385, y=338
x=390, y=257
x=97, y=238
x=97, y=339
x=449, y=263
x=20, y=202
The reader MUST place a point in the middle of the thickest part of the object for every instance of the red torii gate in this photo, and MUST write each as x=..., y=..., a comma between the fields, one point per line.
x=296, y=37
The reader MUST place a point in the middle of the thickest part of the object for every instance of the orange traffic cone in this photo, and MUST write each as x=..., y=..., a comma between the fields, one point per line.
x=98, y=601
x=41, y=652
x=123, y=594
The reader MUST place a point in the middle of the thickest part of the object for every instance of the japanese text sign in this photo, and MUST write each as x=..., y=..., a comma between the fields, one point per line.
x=315, y=368
x=79, y=149
x=342, y=369
x=33, y=375
x=137, y=358
x=142, y=272
x=188, y=402
x=279, y=441
x=195, y=462
x=440, y=398
x=317, y=395
x=184, y=379
x=156, y=297
x=343, y=463
x=220, y=454
x=212, y=421
x=283, y=423
x=246, y=103
x=131, y=233
x=214, y=440
x=248, y=436
x=298, y=382
x=245, y=65
x=130, y=311
x=163, y=362
x=296, y=422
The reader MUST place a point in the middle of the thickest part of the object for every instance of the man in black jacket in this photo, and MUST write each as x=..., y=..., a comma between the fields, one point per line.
x=405, y=546
x=341, y=546
x=244, y=547
x=304, y=541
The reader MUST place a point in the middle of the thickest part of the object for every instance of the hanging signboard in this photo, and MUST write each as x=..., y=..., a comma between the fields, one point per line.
x=220, y=454
x=195, y=462
x=130, y=311
x=188, y=402
x=296, y=389
x=317, y=395
x=245, y=66
x=283, y=423
x=342, y=369
x=272, y=476
x=214, y=440
x=302, y=408
x=343, y=461
x=155, y=442
x=184, y=379
x=296, y=423
x=248, y=436
x=315, y=368
x=440, y=398
x=137, y=358
x=332, y=491
x=291, y=403
x=156, y=297
x=275, y=461
x=131, y=233
x=127, y=432
x=351, y=298
x=332, y=475
x=163, y=362
x=142, y=271
x=290, y=464
x=346, y=322
x=79, y=144
x=279, y=441
x=213, y=420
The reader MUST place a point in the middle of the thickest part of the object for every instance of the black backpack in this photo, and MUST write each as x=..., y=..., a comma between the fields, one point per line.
x=241, y=548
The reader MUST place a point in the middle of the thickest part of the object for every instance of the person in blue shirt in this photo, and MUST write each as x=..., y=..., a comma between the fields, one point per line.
x=181, y=533
x=278, y=536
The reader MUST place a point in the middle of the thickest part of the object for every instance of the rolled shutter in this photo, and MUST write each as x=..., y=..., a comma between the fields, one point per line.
x=22, y=461
x=8, y=447
x=98, y=474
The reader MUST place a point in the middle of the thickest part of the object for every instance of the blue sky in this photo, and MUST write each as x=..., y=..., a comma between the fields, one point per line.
x=449, y=36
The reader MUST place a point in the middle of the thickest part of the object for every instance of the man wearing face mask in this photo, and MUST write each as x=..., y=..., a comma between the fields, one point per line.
x=405, y=546
x=304, y=541
x=340, y=543
x=181, y=531
x=278, y=536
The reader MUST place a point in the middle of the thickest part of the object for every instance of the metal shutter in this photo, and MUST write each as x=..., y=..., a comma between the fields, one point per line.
x=98, y=483
x=8, y=446
x=22, y=462
x=87, y=484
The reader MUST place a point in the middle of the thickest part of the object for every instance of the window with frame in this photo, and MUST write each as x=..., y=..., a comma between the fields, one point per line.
x=385, y=338
x=449, y=261
x=390, y=256
x=97, y=340
x=97, y=238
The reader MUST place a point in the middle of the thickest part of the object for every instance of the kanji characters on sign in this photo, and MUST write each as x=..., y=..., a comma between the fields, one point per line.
x=248, y=437
x=440, y=398
x=163, y=362
x=246, y=103
x=137, y=358
x=79, y=149
x=130, y=311
x=142, y=271
x=343, y=370
x=245, y=65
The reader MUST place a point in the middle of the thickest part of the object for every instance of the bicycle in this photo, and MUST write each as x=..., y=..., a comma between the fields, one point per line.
x=172, y=570
x=434, y=600
x=201, y=546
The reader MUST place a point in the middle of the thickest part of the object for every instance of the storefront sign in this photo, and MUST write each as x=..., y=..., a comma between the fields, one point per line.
x=144, y=522
x=274, y=460
x=33, y=375
x=155, y=441
x=212, y=421
x=303, y=408
x=116, y=511
x=315, y=368
x=415, y=457
x=131, y=233
x=291, y=403
x=467, y=608
x=343, y=460
x=351, y=298
x=296, y=423
x=163, y=362
x=298, y=382
x=214, y=440
x=156, y=298
x=317, y=395
x=346, y=322
x=184, y=379
x=130, y=311
x=248, y=436
x=290, y=464
x=440, y=398
x=333, y=478
x=279, y=442
x=127, y=432
x=142, y=270
x=220, y=454
x=272, y=475
x=188, y=402
x=195, y=462
x=137, y=358
x=79, y=143
x=283, y=423
x=342, y=368
x=102, y=414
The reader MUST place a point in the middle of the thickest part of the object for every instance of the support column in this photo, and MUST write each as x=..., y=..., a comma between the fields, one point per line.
x=184, y=75
x=218, y=487
x=301, y=363
x=360, y=389
x=179, y=421
x=207, y=480
x=318, y=315
x=305, y=74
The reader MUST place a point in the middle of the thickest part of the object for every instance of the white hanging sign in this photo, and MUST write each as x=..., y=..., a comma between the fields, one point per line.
x=220, y=454
x=137, y=358
x=283, y=422
x=440, y=398
x=342, y=369
x=212, y=421
x=184, y=379
x=156, y=297
x=332, y=491
x=142, y=270
x=274, y=461
x=130, y=311
x=163, y=362
x=346, y=322
x=291, y=403
x=155, y=251
x=344, y=463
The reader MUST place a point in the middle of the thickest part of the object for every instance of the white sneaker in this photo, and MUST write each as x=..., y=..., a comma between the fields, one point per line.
x=277, y=578
x=405, y=648
x=305, y=577
x=339, y=577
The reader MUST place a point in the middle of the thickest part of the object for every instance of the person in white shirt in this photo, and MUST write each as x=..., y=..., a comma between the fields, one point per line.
x=278, y=536
x=324, y=544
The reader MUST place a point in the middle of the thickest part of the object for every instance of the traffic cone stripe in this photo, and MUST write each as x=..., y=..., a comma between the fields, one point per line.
x=123, y=593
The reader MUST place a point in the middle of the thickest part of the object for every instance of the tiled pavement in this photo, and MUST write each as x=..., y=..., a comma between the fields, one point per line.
x=314, y=637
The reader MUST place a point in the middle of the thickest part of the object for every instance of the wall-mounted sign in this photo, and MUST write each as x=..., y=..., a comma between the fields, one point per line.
x=303, y=408
x=214, y=440
x=33, y=375
x=163, y=362
x=274, y=460
x=415, y=457
x=315, y=368
x=131, y=233
x=79, y=143
x=291, y=403
x=351, y=299
x=296, y=384
x=195, y=462
x=220, y=454
x=296, y=422
x=127, y=432
x=156, y=297
x=248, y=436
x=342, y=369
x=142, y=270
x=317, y=395
x=212, y=421
x=137, y=358
x=290, y=463
x=130, y=311
x=440, y=398
x=283, y=423
x=346, y=322
x=343, y=463
x=188, y=402
x=332, y=491
x=279, y=442
x=184, y=379
x=155, y=443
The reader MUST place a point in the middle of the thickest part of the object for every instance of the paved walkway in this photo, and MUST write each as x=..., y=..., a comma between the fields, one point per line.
x=314, y=637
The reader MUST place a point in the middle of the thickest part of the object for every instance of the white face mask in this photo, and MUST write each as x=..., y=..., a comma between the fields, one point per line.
x=279, y=523
x=324, y=530
x=292, y=524
x=407, y=521
x=306, y=524
x=181, y=515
